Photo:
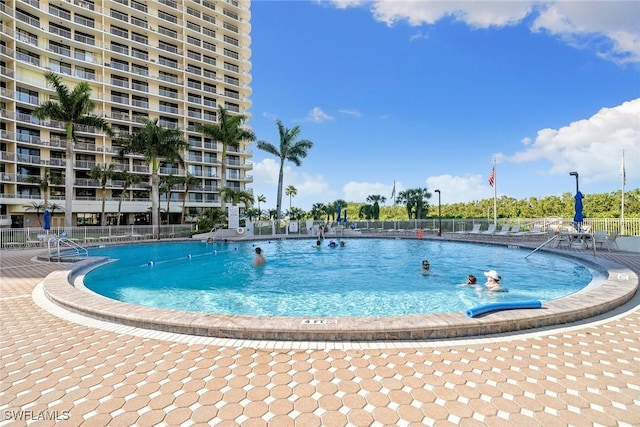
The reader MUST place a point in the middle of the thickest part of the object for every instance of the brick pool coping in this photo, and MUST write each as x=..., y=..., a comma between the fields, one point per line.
x=62, y=288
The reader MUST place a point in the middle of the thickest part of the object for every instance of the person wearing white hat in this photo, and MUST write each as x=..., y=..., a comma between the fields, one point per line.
x=493, y=282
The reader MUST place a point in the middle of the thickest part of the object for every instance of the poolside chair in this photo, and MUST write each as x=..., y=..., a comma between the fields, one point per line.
x=490, y=230
x=515, y=231
x=504, y=230
x=474, y=230
x=537, y=231
x=602, y=238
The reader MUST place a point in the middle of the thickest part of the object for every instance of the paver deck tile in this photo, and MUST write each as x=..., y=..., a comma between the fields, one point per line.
x=586, y=374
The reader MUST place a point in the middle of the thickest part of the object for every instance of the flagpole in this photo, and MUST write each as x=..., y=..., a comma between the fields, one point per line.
x=624, y=179
x=495, y=195
x=393, y=193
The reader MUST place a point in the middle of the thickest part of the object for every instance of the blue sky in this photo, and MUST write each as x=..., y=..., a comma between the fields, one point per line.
x=428, y=94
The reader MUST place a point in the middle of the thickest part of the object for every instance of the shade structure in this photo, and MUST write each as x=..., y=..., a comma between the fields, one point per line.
x=47, y=219
x=338, y=210
x=578, y=217
x=345, y=216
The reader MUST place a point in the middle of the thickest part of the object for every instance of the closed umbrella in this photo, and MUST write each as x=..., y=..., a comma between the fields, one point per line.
x=578, y=217
x=47, y=220
x=338, y=208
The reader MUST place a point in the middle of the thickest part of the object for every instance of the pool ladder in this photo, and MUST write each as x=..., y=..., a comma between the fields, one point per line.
x=55, y=243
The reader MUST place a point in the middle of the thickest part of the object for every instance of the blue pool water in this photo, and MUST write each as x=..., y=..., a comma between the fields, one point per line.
x=367, y=277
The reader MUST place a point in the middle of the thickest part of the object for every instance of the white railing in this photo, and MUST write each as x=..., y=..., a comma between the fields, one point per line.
x=88, y=235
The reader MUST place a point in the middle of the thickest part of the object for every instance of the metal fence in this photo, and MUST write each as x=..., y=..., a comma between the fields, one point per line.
x=37, y=236
x=631, y=226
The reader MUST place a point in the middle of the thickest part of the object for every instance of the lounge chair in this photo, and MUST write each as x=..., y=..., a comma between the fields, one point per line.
x=490, y=230
x=506, y=229
x=474, y=230
x=537, y=231
x=602, y=238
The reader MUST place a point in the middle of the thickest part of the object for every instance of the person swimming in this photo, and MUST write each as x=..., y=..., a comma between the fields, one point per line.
x=332, y=244
x=258, y=259
x=425, y=266
x=493, y=282
x=472, y=280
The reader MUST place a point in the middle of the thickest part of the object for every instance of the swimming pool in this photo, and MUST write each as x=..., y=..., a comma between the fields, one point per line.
x=368, y=277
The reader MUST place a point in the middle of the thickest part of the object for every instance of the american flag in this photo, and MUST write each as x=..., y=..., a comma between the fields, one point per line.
x=492, y=177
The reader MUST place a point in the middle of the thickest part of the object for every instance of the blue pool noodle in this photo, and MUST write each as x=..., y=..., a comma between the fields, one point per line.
x=513, y=305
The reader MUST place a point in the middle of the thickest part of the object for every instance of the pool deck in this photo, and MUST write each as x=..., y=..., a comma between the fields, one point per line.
x=85, y=371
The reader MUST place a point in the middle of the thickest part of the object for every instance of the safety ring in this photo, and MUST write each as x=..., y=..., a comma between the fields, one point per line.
x=240, y=230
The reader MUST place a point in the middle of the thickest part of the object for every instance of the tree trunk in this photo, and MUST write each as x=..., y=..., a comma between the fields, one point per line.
x=279, y=201
x=155, y=220
x=103, y=218
x=184, y=202
x=68, y=183
x=120, y=206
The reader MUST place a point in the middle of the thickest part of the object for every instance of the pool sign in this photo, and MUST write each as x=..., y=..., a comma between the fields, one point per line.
x=234, y=217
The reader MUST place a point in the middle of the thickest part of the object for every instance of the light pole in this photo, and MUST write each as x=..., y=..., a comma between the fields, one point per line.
x=439, y=214
x=576, y=175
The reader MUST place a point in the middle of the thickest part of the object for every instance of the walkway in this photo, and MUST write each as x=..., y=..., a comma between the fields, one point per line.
x=586, y=374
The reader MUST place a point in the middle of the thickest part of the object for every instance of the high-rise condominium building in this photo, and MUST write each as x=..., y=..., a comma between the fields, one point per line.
x=176, y=61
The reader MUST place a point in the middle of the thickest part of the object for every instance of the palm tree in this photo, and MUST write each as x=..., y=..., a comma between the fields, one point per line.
x=166, y=186
x=128, y=179
x=188, y=182
x=292, y=192
x=103, y=174
x=366, y=212
x=330, y=210
x=296, y=214
x=154, y=142
x=38, y=207
x=260, y=199
x=73, y=108
x=416, y=201
x=236, y=196
x=228, y=132
x=376, y=199
x=251, y=214
x=317, y=211
x=54, y=207
x=289, y=149
x=43, y=182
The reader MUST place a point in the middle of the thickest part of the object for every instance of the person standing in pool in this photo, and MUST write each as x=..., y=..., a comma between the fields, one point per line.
x=493, y=282
x=425, y=266
x=258, y=259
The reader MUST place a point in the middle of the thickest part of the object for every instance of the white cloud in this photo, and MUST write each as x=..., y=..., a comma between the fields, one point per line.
x=311, y=188
x=581, y=24
x=609, y=27
x=318, y=116
x=591, y=146
x=359, y=191
x=475, y=14
x=459, y=188
x=354, y=113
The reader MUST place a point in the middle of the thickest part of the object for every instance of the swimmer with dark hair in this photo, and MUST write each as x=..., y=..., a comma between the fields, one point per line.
x=258, y=259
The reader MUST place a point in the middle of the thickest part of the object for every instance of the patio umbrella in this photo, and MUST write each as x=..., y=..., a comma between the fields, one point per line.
x=345, y=216
x=578, y=217
x=47, y=220
x=338, y=213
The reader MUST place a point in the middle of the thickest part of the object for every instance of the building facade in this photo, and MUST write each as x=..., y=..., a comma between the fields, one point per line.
x=177, y=61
